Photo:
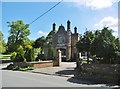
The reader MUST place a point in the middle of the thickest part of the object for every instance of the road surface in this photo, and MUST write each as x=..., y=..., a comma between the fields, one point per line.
x=28, y=79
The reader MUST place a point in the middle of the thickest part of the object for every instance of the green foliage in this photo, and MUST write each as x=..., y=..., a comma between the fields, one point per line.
x=18, y=56
x=50, y=51
x=13, y=56
x=18, y=68
x=28, y=42
x=85, y=42
x=40, y=57
x=39, y=43
x=49, y=37
x=2, y=43
x=29, y=54
x=101, y=45
x=23, y=54
x=18, y=34
x=104, y=46
x=26, y=69
x=43, y=42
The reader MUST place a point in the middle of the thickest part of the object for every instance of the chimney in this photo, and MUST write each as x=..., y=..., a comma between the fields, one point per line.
x=54, y=25
x=75, y=30
x=68, y=25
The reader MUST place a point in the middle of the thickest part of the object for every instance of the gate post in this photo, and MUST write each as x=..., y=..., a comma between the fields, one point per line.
x=59, y=57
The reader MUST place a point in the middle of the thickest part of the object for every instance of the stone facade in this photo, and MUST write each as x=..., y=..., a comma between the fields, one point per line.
x=65, y=41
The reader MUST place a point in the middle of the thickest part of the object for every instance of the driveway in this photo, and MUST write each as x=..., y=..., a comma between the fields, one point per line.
x=65, y=70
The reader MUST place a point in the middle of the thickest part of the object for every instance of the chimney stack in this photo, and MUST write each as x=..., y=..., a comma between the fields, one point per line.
x=54, y=27
x=68, y=25
x=75, y=30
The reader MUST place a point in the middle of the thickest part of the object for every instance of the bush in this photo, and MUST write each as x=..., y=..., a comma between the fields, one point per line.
x=16, y=68
x=19, y=55
x=29, y=54
x=26, y=69
x=40, y=57
x=13, y=56
x=19, y=68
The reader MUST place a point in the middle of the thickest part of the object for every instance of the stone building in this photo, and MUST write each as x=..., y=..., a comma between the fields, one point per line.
x=65, y=40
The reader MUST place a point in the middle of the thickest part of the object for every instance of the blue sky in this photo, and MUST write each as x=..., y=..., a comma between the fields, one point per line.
x=81, y=14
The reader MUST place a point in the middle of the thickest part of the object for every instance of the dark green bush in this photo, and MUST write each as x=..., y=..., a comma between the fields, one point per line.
x=19, y=55
x=40, y=57
x=16, y=68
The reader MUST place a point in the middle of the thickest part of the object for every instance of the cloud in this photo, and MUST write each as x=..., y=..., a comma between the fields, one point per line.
x=41, y=33
x=110, y=22
x=95, y=4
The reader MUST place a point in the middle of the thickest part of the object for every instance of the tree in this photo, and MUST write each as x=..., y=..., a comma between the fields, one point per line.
x=50, y=51
x=105, y=46
x=39, y=43
x=2, y=43
x=49, y=37
x=101, y=45
x=85, y=42
x=18, y=34
x=49, y=44
x=43, y=43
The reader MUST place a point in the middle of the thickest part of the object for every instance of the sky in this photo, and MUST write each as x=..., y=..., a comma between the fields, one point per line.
x=90, y=14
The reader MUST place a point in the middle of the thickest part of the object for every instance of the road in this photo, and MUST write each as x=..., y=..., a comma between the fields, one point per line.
x=27, y=79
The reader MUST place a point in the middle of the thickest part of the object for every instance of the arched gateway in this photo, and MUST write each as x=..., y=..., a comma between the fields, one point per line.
x=65, y=41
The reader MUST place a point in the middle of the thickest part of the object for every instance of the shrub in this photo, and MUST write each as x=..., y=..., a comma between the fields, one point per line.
x=18, y=56
x=15, y=68
x=40, y=57
x=29, y=54
x=26, y=69
x=13, y=56
x=19, y=68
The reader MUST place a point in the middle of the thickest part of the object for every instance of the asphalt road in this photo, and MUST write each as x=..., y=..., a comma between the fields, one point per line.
x=27, y=79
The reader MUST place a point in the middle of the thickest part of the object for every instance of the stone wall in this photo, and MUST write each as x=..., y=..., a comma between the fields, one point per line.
x=41, y=64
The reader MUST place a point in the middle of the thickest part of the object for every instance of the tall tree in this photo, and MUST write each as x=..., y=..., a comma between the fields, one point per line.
x=2, y=43
x=18, y=34
x=49, y=37
x=105, y=45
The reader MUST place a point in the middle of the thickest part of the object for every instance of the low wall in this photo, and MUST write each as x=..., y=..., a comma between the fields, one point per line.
x=101, y=72
x=39, y=64
x=42, y=64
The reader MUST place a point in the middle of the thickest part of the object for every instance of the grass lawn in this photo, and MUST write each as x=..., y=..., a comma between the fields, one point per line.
x=5, y=57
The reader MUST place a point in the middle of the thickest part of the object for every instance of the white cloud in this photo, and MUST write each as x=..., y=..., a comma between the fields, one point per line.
x=95, y=4
x=110, y=22
x=41, y=33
